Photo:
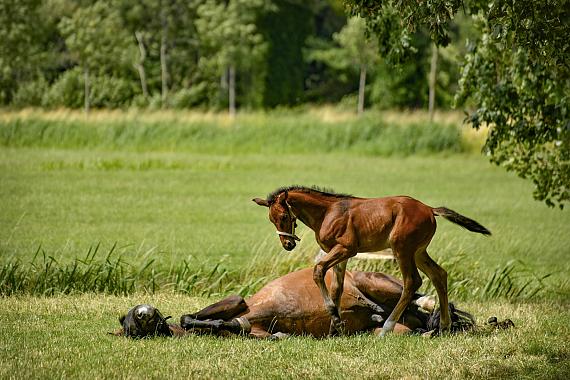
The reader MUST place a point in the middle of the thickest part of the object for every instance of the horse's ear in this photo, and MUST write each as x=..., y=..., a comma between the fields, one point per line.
x=261, y=202
x=282, y=197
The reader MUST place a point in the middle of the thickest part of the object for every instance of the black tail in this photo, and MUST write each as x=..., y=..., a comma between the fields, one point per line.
x=460, y=320
x=461, y=220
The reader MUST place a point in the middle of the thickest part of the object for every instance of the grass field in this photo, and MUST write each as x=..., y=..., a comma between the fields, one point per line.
x=162, y=204
x=65, y=337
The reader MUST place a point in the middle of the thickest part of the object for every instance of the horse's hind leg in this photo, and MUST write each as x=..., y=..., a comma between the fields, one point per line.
x=412, y=282
x=438, y=276
x=225, y=309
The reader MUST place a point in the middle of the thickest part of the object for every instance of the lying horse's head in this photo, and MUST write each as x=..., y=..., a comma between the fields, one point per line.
x=460, y=320
x=142, y=321
x=281, y=215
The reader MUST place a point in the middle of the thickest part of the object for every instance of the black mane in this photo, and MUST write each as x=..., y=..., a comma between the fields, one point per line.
x=304, y=189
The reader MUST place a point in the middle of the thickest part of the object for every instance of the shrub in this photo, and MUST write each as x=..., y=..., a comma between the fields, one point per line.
x=30, y=94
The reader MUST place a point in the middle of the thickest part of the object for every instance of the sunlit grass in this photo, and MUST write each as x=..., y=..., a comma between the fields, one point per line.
x=171, y=207
x=326, y=114
x=67, y=336
x=303, y=130
x=185, y=233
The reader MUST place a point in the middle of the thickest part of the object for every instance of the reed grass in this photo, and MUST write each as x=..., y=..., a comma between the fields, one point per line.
x=278, y=131
x=109, y=272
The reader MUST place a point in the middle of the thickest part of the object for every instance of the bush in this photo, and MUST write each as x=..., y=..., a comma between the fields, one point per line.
x=111, y=92
x=105, y=92
x=66, y=91
x=188, y=97
x=30, y=94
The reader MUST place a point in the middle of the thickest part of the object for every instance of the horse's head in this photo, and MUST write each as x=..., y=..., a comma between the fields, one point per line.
x=142, y=321
x=281, y=215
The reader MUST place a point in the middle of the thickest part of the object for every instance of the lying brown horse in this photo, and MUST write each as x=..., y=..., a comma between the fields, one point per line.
x=345, y=225
x=286, y=306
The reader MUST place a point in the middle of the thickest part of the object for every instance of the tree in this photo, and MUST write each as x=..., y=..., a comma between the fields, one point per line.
x=229, y=32
x=285, y=28
x=167, y=44
x=97, y=40
x=22, y=30
x=353, y=51
x=517, y=75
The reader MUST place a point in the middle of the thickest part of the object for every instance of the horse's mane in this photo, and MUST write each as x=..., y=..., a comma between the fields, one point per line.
x=306, y=189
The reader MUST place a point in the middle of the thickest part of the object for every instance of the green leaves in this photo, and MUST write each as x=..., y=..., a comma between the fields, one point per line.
x=229, y=32
x=516, y=74
x=523, y=96
x=96, y=38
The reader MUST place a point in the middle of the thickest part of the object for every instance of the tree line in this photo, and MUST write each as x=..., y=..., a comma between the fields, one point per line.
x=211, y=54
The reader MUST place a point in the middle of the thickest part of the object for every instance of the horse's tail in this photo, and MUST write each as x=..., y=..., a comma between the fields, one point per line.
x=461, y=220
x=460, y=320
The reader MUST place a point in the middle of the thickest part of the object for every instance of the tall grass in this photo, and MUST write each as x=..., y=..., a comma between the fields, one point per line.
x=258, y=133
x=109, y=273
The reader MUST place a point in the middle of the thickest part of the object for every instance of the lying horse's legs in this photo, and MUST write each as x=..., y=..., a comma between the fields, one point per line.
x=399, y=329
x=412, y=282
x=225, y=309
x=236, y=325
x=438, y=276
x=337, y=286
x=336, y=255
x=260, y=333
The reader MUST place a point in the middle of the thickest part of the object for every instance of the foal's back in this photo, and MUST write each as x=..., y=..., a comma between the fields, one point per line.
x=376, y=222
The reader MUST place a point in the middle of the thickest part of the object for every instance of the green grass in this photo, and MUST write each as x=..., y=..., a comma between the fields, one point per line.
x=66, y=337
x=198, y=207
x=175, y=226
x=249, y=133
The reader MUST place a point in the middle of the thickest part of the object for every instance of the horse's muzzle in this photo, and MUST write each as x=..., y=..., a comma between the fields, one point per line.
x=289, y=245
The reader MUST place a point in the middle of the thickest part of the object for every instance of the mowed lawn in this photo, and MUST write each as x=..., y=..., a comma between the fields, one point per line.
x=170, y=206
x=66, y=337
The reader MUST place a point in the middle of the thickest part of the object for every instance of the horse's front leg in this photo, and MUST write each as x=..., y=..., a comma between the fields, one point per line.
x=337, y=255
x=337, y=287
x=238, y=325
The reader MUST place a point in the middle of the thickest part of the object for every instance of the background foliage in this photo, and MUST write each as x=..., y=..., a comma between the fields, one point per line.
x=189, y=46
x=516, y=73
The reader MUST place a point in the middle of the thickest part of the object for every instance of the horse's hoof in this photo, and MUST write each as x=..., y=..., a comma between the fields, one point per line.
x=377, y=318
x=336, y=327
x=430, y=334
x=278, y=336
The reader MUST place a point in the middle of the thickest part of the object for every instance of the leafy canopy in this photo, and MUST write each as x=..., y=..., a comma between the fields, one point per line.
x=517, y=74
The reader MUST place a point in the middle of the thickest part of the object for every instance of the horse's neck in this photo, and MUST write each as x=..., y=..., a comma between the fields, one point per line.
x=309, y=208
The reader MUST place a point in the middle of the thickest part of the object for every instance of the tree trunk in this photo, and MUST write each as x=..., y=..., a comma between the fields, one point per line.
x=163, y=56
x=432, y=81
x=361, y=87
x=140, y=64
x=232, y=90
x=87, y=94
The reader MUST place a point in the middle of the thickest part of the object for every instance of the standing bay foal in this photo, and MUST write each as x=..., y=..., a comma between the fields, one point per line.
x=345, y=225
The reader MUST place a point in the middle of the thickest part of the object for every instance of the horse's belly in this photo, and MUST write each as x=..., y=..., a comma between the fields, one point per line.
x=305, y=318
